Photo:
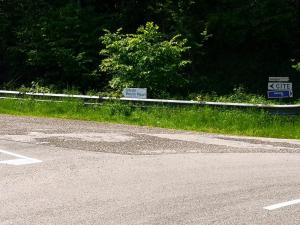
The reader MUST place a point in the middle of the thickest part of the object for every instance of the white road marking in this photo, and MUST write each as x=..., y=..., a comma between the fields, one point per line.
x=21, y=159
x=283, y=204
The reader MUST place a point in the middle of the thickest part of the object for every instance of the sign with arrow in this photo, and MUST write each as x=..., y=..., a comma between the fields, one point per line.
x=279, y=86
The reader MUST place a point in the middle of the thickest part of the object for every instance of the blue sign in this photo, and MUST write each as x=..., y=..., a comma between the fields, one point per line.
x=280, y=94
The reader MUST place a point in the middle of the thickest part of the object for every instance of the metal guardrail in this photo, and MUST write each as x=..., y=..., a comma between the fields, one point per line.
x=276, y=109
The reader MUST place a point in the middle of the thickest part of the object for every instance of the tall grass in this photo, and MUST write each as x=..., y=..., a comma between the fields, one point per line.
x=246, y=122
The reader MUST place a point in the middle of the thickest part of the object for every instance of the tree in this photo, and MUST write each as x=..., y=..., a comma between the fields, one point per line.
x=145, y=59
x=57, y=48
x=298, y=11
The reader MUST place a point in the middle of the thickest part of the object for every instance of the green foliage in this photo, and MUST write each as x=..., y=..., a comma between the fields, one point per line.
x=120, y=109
x=57, y=47
x=239, y=95
x=296, y=66
x=144, y=59
x=55, y=42
x=35, y=88
x=241, y=122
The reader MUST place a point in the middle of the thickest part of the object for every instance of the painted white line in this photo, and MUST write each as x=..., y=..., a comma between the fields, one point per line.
x=283, y=204
x=21, y=159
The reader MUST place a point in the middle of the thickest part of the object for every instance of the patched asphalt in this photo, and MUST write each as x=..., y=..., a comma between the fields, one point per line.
x=99, y=173
x=125, y=139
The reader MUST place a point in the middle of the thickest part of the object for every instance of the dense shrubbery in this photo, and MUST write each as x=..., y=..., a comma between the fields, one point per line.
x=144, y=59
x=55, y=43
x=239, y=95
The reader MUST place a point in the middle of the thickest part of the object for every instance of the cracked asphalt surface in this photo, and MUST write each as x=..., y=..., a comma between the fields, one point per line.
x=98, y=173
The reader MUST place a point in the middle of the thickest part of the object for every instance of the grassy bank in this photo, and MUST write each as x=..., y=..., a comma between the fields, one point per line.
x=249, y=122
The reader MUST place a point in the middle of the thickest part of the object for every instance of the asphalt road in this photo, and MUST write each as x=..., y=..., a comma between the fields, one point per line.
x=71, y=172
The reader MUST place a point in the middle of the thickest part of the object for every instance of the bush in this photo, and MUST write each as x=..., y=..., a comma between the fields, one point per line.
x=145, y=59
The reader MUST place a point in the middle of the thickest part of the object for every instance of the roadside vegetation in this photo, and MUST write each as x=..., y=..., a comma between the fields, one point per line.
x=238, y=95
x=175, y=48
x=205, y=119
x=182, y=49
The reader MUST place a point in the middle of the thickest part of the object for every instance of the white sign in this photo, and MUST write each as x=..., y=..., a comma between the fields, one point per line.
x=279, y=79
x=278, y=86
x=135, y=93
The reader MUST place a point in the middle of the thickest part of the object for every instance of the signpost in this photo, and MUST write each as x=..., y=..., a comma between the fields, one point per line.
x=279, y=87
x=135, y=93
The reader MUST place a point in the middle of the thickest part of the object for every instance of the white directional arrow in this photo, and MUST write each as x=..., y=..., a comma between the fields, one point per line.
x=270, y=86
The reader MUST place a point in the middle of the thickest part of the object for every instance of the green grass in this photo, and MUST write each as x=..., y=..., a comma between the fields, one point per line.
x=249, y=122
